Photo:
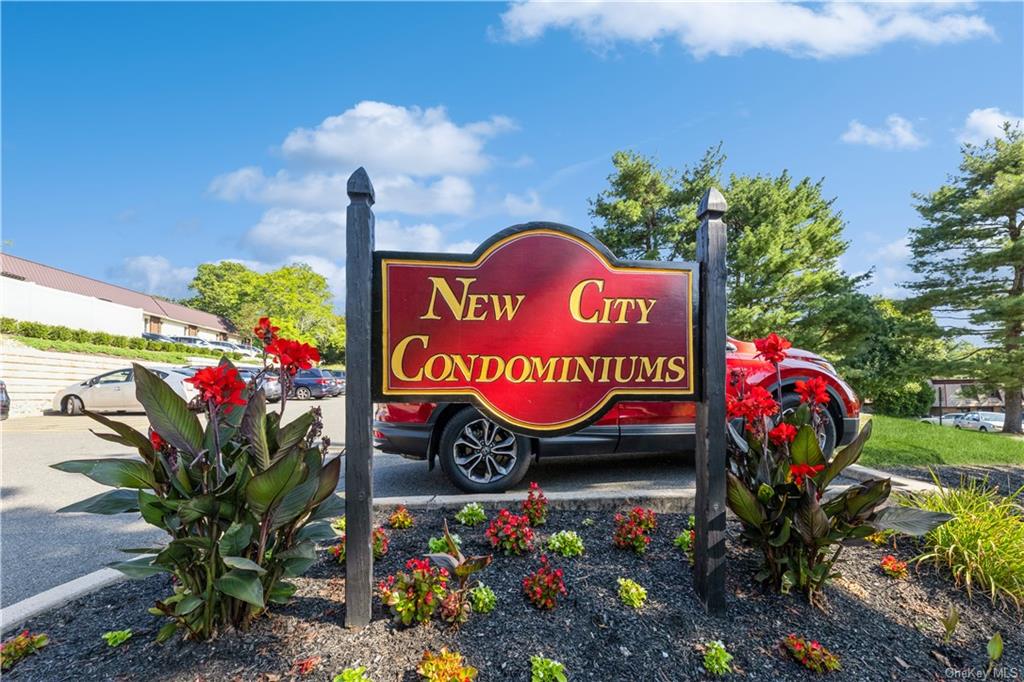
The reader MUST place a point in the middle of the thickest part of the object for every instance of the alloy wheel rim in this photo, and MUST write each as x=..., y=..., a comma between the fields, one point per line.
x=485, y=452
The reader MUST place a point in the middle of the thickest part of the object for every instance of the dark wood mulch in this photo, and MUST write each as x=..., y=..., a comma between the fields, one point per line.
x=881, y=629
x=1006, y=479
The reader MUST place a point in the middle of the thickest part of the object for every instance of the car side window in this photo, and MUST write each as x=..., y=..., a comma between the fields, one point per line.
x=118, y=377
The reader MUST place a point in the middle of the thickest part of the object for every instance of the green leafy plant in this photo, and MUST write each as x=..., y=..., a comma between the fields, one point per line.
x=811, y=654
x=716, y=658
x=543, y=586
x=379, y=542
x=994, y=651
x=535, y=506
x=441, y=544
x=778, y=474
x=949, y=623
x=482, y=599
x=353, y=675
x=684, y=541
x=339, y=524
x=117, y=637
x=471, y=514
x=510, y=532
x=567, y=543
x=546, y=670
x=244, y=500
x=414, y=595
x=587, y=522
x=445, y=666
x=632, y=593
x=633, y=529
x=455, y=606
x=400, y=519
x=20, y=646
x=983, y=546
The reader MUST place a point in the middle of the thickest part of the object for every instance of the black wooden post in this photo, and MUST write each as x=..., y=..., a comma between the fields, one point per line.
x=709, y=550
x=358, y=403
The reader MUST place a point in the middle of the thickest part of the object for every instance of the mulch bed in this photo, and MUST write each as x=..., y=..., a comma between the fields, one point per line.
x=1006, y=479
x=881, y=628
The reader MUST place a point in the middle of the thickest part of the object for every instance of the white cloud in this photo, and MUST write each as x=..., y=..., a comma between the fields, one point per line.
x=986, y=124
x=897, y=133
x=897, y=250
x=387, y=138
x=720, y=28
x=154, y=275
x=520, y=205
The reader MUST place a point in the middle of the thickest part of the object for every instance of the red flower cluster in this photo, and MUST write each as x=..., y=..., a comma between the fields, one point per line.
x=535, y=506
x=510, y=532
x=783, y=433
x=633, y=530
x=293, y=355
x=811, y=655
x=543, y=586
x=265, y=331
x=813, y=391
x=379, y=540
x=156, y=441
x=220, y=385
x=754, y=404
x=800, y=471
x=772, y=348
x=414, y=596
x=893, y=567
x=305, y=666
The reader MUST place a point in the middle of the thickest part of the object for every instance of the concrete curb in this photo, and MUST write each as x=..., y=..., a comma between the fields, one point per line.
x=667, y=500
x=14, y=615
x=900, y=483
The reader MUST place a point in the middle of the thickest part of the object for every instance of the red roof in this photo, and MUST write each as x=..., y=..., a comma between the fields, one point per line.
x=54, y=278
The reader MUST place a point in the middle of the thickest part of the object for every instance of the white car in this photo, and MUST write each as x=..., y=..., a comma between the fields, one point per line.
x=114, y=392
x=947, y=419
x=981, y=421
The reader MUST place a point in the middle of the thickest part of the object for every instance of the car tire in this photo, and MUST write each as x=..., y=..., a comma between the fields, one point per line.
x=73, y=406
x=983, y=429
x=791, y=401
x=473, y=448
x=303, y=393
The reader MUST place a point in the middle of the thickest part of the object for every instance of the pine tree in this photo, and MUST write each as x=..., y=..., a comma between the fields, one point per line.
x=969, y=255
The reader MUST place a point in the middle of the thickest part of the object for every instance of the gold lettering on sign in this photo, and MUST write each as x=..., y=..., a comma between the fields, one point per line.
x=470, y=307
x=612, y=310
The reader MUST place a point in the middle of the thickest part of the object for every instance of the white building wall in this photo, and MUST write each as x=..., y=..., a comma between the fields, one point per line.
x=29, y=302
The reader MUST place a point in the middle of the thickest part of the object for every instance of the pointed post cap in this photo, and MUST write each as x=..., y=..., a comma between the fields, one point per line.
x=711, y=202
x=359, y=185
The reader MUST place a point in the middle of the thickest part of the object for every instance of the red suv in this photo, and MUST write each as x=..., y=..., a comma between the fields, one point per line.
x=479, y=456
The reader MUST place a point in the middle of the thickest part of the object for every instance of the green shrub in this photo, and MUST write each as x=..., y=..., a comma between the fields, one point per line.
x=59, y=333
x=101, y=338
x=546, y=670
x=117, y=637
x=482, y=599
x=244, y=501
x=983, y=546
x=34, y=330
x=20, y=646
x=118, y=341
x=716, y=658
x=441, y=545
x=568, y=543
x=137, y=342
x=913, y=399
x=8, y=325
x=353, y=675
x=632, y=593
x=471, y=514
x=80, y=335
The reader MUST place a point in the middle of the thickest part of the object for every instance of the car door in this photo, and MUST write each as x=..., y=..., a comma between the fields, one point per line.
x=107, y=391
x=656, y=427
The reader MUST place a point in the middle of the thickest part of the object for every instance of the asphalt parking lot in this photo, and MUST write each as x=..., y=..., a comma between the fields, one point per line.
x=40, y=549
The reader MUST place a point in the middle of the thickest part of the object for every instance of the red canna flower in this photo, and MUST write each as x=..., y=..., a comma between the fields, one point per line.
x=293, y=355
x=755, y=404
x=783, y=433
x=813, y=391
x=220, y=384
x=772, y=348
x=155, y=440
x=799, y=471
x=265, y=331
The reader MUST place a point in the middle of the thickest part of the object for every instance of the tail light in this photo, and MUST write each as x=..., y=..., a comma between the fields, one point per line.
x=323, y=381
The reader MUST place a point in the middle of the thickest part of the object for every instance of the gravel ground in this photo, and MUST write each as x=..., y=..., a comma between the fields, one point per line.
x=881, y=629
x=1006, y=479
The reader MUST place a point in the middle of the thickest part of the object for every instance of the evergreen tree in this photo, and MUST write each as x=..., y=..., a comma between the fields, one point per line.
x=969, y=255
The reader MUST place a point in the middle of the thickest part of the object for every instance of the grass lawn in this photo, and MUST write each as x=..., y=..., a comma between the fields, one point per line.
x=898, y=442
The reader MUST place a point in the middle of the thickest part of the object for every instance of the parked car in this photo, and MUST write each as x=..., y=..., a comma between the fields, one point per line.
x=947, y=419
x=114, y=391
x=192, y=341
x=313, y=383
x=5, y=402
x=981, y=421
x=269, y=382
x=150, y=336
x=339, y=375
x=477, y=455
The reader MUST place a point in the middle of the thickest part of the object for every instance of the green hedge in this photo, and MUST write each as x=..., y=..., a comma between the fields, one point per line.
x=48, y=332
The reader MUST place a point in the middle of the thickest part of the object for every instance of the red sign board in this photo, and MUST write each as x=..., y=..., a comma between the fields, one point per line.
x=542, y=328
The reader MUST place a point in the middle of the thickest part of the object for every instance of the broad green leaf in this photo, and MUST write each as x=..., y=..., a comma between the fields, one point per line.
x=327, y=480
x=909, y=520
x=199, y=507
x=130, y=436
x=294, y=503
x=995, y=648
x=242, y=563
x=254, y=430
x=844, y=458
x=109, y=502
x=166, y=632
x=864, y=497
x=117, y=473
x=443, y=560
x=139, y=567
x=783, y=535
x=243, y=585
x=281, y=592
x=168, y=412
x=268, y=487
x=151, y=508
x=805, y=448
x=187, y=605
x=742, y=502
x=810, y=521
x=236, y=538
x=298, y=559
x=293, y=433
x=332, y=506
x=316, y=531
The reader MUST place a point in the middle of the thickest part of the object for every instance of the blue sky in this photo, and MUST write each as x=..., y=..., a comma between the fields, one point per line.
x=140, y=140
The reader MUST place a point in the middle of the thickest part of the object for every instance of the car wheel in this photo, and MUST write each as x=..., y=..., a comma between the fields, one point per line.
x=983, y=429
x=303, y=393
x=73, y=406
x=827, y=439
x=479, y=456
